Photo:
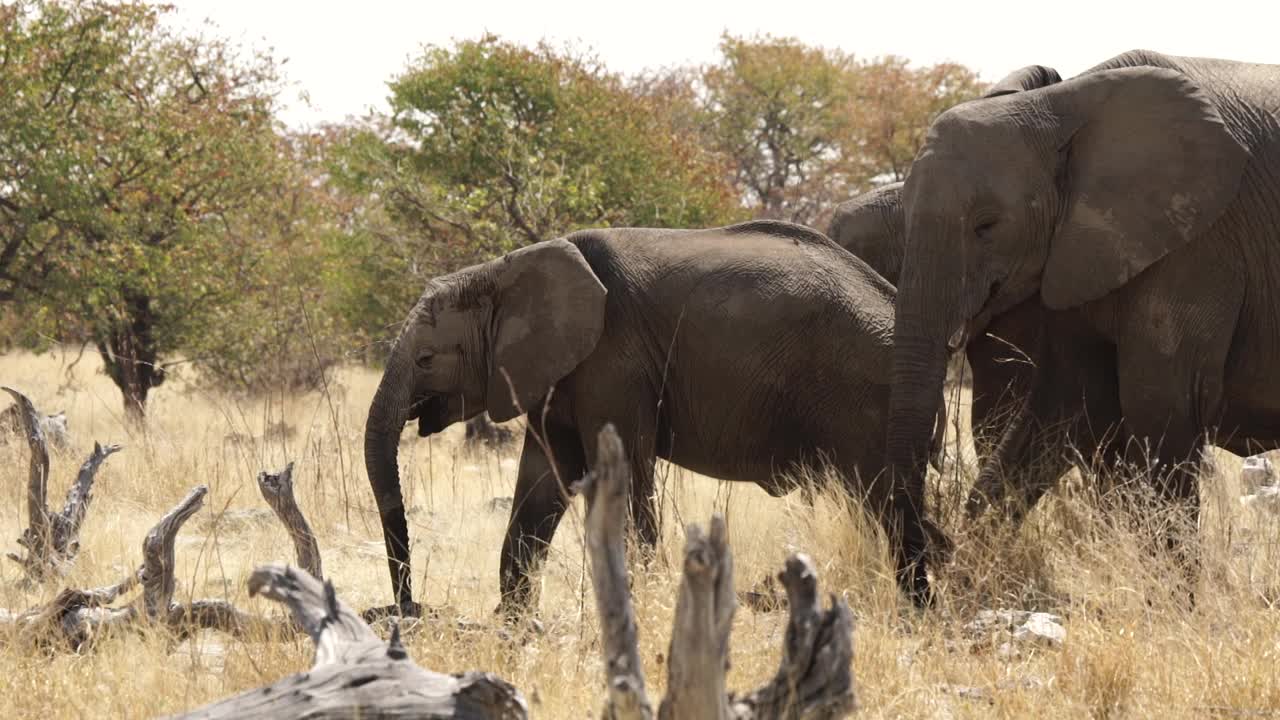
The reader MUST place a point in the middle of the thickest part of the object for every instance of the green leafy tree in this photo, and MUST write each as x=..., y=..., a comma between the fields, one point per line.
x=490, y=146
x=126, y=153
x=780, y=111
x=283, y=329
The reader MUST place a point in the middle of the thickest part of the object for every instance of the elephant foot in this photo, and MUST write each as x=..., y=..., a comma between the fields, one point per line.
x=402, y=610
x=518, y=620
x=913, y=580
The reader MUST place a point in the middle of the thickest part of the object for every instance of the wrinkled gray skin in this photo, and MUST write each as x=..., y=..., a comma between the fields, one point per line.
x=736, y=352
x=871, y=226
x=1040, y=443
x=1141, y=201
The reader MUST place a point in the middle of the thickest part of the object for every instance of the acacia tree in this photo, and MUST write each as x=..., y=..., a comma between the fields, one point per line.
x=779, y=110
x=126, y=152
x=895, y=103
x=803, y=127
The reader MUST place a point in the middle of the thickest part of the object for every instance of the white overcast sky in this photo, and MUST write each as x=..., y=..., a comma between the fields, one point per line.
x=342, y=54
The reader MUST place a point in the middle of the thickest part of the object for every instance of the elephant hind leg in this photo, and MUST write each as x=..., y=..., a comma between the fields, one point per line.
x=541, y=499
x=645, y=513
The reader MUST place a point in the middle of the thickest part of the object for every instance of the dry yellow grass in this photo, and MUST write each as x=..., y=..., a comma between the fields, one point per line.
x=1130, y=651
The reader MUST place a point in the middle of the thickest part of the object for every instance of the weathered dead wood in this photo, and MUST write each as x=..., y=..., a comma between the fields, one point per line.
x=355, y=673
x=277, y=490
x=52, y=540
x=77, y=617
x=159, y=583
x=607, y=492
x=54, y=426
x=814, y=679
x=482, y=430
x=698, y=656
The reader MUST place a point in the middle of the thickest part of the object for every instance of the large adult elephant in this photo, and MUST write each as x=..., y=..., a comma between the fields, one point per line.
x=1038, y=444
x=738, y=352
x=1140, y=199
x=1074, y=421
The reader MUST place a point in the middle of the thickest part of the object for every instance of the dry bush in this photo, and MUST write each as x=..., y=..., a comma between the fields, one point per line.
x=1132, y=649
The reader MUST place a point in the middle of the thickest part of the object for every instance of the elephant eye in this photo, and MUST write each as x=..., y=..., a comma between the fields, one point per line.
x=424, y=360
x=983, y=230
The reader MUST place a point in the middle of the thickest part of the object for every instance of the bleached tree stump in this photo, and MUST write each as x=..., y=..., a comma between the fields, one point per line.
x=607, y=491
x=356, y=674
x=277, y=490
x=815, y=677
x=52, y=540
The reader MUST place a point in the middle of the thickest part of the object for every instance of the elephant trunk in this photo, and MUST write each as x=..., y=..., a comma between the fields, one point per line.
x=920, y=356
x=387, y=416
x=923, y=324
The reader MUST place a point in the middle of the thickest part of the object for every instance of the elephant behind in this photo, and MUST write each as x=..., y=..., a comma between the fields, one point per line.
x=738, y=352
x=871, y=227
x=1036, y=445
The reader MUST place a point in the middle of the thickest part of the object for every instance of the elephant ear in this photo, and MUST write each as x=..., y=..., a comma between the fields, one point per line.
x=1149, y=166
x=548, y=316
x=1031, y=77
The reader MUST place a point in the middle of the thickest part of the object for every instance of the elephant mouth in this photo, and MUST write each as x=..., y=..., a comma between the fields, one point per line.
x=974, y=326
x=430, y=409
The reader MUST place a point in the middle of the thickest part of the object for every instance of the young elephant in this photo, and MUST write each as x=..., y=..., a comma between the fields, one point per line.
x=739, y=352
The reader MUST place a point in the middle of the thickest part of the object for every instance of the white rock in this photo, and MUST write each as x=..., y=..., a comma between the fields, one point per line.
x=1267, y=498
x=1009, y=630
x=1041, y=628
x=1256, y=473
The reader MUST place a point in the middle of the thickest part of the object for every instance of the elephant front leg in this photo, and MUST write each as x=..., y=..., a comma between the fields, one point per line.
x=1071, y=410
x=541, y=499
x=1166, y=501
x=1167, y=447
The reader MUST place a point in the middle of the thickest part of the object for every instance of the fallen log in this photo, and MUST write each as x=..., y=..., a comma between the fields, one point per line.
x=815, y=677
x=52, y=540
x=356, y=674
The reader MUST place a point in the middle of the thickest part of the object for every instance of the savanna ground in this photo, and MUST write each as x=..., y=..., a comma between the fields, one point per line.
x=1131, y=649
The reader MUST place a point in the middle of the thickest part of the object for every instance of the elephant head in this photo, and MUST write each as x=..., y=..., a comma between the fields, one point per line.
x=871, y=227
x=1064, y=191
x=491, y=337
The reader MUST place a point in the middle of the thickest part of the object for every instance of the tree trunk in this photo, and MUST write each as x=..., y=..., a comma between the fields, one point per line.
x=130, y=355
